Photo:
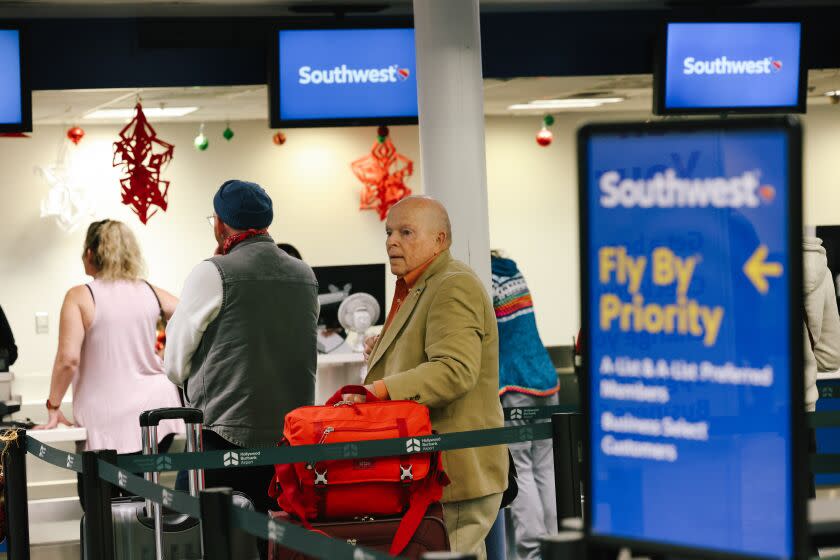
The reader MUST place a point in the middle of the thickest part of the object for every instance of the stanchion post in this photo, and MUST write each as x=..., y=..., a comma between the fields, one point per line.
x=568, y=454
x=17, y=504
x=216, y=520
x=98, y=526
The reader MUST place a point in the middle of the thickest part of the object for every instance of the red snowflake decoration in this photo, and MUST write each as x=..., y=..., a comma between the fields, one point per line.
x=143, y=155
x=383, y=173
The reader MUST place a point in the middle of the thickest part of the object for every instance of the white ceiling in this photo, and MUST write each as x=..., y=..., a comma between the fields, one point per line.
x=251, y=102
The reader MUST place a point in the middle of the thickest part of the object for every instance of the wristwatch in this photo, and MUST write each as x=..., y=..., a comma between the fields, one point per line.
x=50, y=405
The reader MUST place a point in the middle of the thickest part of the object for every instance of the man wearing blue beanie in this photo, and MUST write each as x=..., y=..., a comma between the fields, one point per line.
x=242, y=341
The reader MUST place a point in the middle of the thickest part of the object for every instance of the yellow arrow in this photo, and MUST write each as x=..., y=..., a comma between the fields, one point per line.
x=757, y=270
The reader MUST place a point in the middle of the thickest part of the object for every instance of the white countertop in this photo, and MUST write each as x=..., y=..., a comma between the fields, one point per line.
x=63, y=433
x=342, y=358
x=828, y=375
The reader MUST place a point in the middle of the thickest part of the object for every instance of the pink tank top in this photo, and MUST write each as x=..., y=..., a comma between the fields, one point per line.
x=120, y=375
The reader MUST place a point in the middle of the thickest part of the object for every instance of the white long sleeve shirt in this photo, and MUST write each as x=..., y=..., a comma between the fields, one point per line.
x=201, y=301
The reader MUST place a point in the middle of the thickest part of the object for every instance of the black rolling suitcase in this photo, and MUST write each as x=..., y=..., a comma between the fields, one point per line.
x=145, y=531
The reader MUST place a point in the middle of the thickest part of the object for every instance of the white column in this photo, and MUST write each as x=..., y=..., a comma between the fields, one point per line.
x=451, y=104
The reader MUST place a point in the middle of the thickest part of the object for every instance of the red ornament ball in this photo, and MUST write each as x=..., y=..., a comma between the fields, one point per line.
x=544, y=137
x=279, y=139
x=382, y=131
x=75, y=134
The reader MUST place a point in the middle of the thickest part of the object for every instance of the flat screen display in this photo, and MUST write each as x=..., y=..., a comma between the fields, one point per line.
x=689, y=263
x=334, y=77
x=15, y=111
x=738, y=67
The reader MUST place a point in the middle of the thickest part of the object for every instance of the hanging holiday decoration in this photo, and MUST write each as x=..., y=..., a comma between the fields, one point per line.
x=383, y=173
x=279, y=139
x=201, y=142
x=227, y=133
x=544, y=137
x=143, y=155
x=69, y=199
x=75, y=134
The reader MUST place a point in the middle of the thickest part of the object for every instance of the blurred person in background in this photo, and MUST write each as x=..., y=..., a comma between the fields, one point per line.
x=8, y=349
x=527, y=378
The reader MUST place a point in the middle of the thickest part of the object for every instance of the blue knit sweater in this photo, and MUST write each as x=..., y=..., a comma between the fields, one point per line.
x=524, y=363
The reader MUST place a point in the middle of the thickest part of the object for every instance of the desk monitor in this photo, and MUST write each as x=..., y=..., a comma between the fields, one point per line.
x=335, y=283
x=691, y=293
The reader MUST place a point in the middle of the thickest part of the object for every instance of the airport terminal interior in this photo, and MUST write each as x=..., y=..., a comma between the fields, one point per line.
x=685, y=384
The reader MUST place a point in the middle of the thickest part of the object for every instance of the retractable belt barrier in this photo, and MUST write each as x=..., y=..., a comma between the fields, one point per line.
x=298, y=538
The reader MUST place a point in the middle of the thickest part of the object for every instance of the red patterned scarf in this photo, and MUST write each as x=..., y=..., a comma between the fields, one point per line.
x=238, y=238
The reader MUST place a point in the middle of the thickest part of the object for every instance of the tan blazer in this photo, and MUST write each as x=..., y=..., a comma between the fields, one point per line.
x=442, y=350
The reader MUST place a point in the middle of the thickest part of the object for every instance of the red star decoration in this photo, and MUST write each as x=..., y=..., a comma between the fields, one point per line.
x=143, y=155
x=383, y=173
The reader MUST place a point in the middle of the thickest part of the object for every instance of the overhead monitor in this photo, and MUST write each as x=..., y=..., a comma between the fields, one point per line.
x=691, y=294
x=343, y=77
x=15, y=95
x=722, y=67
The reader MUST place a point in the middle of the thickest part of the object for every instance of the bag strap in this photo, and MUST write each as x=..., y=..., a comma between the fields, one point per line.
x=157, y=299
x=423, y=494
x=289, y=495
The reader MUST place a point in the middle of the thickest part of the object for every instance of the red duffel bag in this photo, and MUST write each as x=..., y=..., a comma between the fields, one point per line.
x=350, y=488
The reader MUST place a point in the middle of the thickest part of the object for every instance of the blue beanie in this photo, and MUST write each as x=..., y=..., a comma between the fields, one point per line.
x=243, y=205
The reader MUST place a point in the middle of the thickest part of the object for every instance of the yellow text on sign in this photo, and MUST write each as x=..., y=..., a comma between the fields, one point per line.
x=684, y=317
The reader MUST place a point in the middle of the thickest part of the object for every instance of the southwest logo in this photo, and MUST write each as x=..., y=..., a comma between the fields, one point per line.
x=412, y=445
x=343, y=74
x=723, y=66
x=767, y=193
x=667, y=189
x=230, y=459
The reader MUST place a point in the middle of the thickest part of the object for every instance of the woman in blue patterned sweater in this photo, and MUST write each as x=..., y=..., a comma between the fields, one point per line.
x=526, y=378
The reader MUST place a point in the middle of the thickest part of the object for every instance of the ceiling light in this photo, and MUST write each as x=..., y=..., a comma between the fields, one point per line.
x=151, y=112
x=576, y=103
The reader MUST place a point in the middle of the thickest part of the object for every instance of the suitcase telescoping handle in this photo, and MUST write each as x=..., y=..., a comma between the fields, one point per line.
x=149, y=422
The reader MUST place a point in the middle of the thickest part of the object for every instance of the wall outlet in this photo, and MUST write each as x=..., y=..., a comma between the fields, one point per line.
x=42, y=322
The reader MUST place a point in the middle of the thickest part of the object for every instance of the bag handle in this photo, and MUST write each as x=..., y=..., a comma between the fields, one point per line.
x=353, y=390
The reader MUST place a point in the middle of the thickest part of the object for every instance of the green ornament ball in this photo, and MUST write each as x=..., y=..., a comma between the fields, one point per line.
x=201, y=142
x=548, y=120
x=228, y=133
x=381, y=139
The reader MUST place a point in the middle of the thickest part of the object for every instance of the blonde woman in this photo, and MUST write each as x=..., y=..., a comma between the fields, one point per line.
x=106, y=345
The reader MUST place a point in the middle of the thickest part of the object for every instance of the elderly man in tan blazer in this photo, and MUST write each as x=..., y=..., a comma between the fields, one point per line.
x=439, y=347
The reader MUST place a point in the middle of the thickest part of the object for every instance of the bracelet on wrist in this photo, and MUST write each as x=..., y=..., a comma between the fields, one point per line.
x=51, y=406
